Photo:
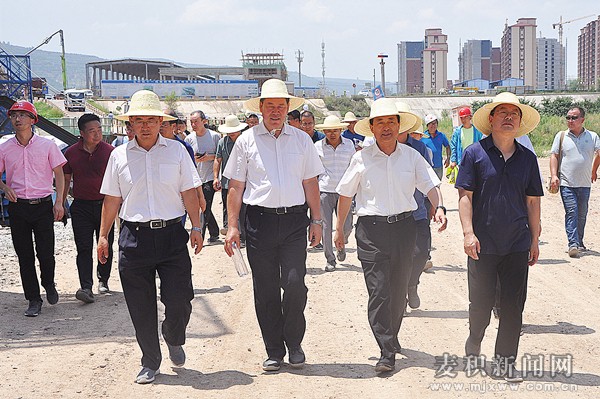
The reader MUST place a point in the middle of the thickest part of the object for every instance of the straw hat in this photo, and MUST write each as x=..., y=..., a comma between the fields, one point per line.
x=232, y=125
x=385, y=107
x=330, y=123
x=273, y=88
x=144, y=103
x=350, y=117
x=404, y=108
x=529, y=120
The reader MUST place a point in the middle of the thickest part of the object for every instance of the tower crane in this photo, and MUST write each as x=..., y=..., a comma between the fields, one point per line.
x=563, y=78
x=63, y=62
x=561, y=23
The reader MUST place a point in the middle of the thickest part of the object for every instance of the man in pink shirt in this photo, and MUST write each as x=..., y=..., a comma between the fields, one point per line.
x=29, y=161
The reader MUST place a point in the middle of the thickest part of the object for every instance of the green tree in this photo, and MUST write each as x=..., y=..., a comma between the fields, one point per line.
x=172, y=101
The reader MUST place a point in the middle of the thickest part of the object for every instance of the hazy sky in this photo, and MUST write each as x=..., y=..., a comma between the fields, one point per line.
x=215, y=32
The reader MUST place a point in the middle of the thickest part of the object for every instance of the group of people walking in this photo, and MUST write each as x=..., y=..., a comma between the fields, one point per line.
x=281, y=186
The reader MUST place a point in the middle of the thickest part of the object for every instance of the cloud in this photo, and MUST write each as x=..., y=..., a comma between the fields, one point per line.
x=220, y=13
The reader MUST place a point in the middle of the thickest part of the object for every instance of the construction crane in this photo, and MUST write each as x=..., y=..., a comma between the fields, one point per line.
x=563, y=76
x=561, y=23
x=63, y=62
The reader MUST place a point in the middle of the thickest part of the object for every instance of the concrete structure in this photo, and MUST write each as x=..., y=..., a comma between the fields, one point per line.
x=264, y=66
x=496, y=63
x=435, y=61
x=588, y=56
x=475, y=60
x=123, y=69
x=519, y=55
x=550, y=66
x=410, y=67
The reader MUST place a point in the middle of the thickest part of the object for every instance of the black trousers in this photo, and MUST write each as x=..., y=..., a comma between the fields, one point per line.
x=276, y=247
x=385, y=251
x=421, y=253
x=483, y=274
x=25, y=220
x=143, y=252
x=85, y=218
x=241, y=224
x=209, y=217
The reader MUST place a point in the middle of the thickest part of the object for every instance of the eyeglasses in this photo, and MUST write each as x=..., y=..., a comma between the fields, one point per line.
x=571, y=117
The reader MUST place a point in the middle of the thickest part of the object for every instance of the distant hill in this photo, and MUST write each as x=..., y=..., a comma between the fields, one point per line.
x=46, y=64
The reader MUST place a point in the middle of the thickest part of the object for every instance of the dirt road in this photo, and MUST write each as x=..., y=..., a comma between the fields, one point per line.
x=77, y=351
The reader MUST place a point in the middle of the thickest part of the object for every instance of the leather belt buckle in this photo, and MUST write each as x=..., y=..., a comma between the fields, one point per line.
x=281, y=211
x=157, y=224
x=35, y=201
x=393, y=218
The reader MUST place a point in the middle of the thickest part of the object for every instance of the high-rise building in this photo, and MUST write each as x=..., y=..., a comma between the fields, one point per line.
x=588, y=56
x=550, y=69
x=496, y=64
x=475, y=60
x=410, y=67
x=435, y=61
x=519, y=55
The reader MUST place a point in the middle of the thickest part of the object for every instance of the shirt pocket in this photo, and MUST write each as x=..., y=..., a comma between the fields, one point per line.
x=168, y=173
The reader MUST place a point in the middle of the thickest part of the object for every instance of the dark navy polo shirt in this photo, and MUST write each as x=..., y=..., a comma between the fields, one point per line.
x=500, y=189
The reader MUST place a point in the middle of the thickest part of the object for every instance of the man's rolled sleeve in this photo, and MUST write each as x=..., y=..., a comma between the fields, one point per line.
x=110, y=182
x=237, y=165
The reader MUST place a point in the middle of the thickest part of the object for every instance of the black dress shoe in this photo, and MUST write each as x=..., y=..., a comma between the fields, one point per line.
x=52, y=295
x=34, y=309
x=297, y=358
x=385, y=364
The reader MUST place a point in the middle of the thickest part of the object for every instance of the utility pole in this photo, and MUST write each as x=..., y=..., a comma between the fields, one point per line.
x=382, y=58
x=299, y=58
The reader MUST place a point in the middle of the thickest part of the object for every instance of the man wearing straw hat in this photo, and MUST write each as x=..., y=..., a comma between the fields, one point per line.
x=384, y=177
x=232, y=130
x=350, y=133
x=335, y=152
x=499, y=190
x=149, y=177
x=421, y=215
x=273, y=169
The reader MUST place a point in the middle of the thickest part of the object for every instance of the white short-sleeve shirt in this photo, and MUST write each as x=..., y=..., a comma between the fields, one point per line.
x=273, y=168
x=150, y=182
x=335, y=162
x=385, y=185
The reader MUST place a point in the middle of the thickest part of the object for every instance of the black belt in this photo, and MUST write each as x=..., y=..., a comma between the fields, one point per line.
x=35, y=201
x=391, y=218
x=154, y=224
x=281, y=210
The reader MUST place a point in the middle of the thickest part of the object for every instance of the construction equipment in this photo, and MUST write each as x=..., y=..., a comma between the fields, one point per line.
x=563, y=75
x=63, y=62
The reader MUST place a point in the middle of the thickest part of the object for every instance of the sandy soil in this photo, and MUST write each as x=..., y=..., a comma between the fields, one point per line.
x=74, y=350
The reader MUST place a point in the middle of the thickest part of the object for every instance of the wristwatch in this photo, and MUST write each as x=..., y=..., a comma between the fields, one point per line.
x=317, y=221
x=442, y=207
x=198, y=229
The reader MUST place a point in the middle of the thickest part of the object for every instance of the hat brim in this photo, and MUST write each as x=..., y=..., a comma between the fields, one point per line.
x=407, y=122
x=253, y=105
x=232, y=129
x=529, y=120
x=350, y=120
x=418, y=124
x=125, y=117
x=331, y=127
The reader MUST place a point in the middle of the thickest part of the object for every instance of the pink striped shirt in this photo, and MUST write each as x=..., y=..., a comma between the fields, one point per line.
x=29, y=168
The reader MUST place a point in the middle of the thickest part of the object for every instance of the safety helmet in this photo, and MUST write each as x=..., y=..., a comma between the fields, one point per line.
x=24, y=106
x=465, y=111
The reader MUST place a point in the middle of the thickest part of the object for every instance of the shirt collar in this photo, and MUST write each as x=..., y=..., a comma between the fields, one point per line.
x=134, y=144
x=488, y=142
x=33, y=139
x=375, y=151
x=262, y=129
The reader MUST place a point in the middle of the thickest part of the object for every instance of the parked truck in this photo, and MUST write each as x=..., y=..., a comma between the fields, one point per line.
x=75, y=100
